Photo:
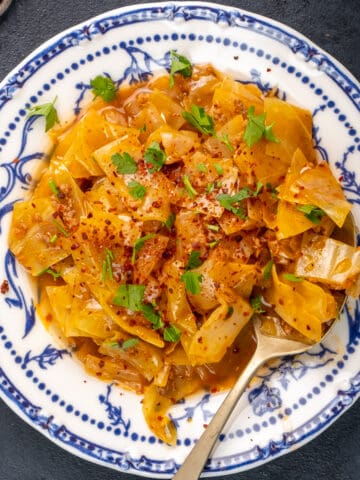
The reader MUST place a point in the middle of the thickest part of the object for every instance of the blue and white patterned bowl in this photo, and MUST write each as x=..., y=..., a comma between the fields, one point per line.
x=292, y=400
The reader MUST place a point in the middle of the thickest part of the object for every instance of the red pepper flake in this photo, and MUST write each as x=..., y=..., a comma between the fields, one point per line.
x=268, y=69
x=341, y=178
x=205, y=425
x=4, y=287
x=16, y=160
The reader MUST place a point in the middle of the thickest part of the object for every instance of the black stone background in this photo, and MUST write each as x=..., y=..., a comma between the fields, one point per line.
x=335, y=455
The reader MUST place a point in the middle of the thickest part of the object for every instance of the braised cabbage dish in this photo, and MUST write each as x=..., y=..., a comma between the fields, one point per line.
x=170, y=213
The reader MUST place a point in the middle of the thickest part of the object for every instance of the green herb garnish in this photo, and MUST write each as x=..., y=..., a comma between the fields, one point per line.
x=60, y=228
x=290, y=277
x=136, y=190
x=311, y=212
x=201, y=167
x=172, y=334
x=179, y=64
x=194, y=260
x=107, y=265
x=267, y=270
x=54, y=188
x=257, y=304
x=139, y=243
x=256, y=128
x=155, y=156
x=213, y=228
x=46, y=110
x=53, y=238
x=192, y=282
x=169, y=222
x=150, y=314
x=200, y=120
x=214, y=244
x=103, y=87
x=189, y=188
x=226, y=140
x=130, y=296
x=129, y=343
x=55, y=275
x=219, y=168
x=124, y=163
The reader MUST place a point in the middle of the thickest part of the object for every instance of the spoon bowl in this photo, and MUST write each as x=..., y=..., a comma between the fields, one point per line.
x=267, y=348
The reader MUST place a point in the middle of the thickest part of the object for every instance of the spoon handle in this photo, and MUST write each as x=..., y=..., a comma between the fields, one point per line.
x=195, y=461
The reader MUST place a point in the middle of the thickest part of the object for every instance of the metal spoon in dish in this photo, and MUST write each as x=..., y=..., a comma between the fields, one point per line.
x=267, y=348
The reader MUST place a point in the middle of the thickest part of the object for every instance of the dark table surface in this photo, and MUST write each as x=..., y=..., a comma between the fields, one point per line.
x=26, y=454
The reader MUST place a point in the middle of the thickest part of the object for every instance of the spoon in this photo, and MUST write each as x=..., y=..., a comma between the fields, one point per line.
x=267, y=348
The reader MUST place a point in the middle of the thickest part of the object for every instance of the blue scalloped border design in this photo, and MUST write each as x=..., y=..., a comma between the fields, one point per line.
x=49, y=356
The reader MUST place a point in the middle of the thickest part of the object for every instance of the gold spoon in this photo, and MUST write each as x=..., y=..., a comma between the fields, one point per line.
x=267, y=348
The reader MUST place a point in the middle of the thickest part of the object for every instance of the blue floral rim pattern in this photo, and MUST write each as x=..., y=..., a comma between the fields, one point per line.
x=261, y=397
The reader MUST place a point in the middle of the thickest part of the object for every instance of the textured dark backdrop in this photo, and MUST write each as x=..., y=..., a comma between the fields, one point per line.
x=27, y=455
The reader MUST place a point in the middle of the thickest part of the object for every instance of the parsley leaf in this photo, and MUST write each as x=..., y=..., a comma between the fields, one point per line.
x=129, y=343
x=256, y=304
x=46, y=110
x=226, y=140
x=151, y=315
x=139, y=243
x=107, y=265
x=124, y=163
x=219, y=168
x=200, y=120
x=136, y=190
x=232, y=203
x=213, y=244
x=201, y=167
x=267, y=270
x=172, y=334
x=55, y=275
x=179, y=64
x=103, y=87
x=60, y=228
x=192, y=282
x=256, y=128
x=54, y=187
x=169, y=222
x=290, y=277
x=156, y=156
x=272, y=190
x=189, y=188
x=311, y=212
x=53, y=238
x=194, y=260
x=130, y=296
x=213, y=228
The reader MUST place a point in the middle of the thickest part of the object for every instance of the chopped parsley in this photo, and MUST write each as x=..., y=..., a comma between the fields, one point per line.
x=139, y=243
x=226, y=140
x=150, y=314
x=155, y=156
x=60, y=228
x=55, y=275
x=272, y=190
x=210, y=187
x=192, y=282
x=189, y=188
x=46, y=110
x=194, y=260
x=136, y=190
x=129, y=343
x=311, y=212
x=169, y=222
x=107, y=265
x=172, y=334
x=213, y=228
x=179, y=64
x=257, y=304
x=54, y=188
x=53, y=238
x=290, y=277
x=267, y=270
x=200, y=120
x=256, y=129
x=214, y=244
x=130, y=297
x=219, y=168
x=124, y=163
x=103, y=87
x=201, y=167
x=232, y=203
